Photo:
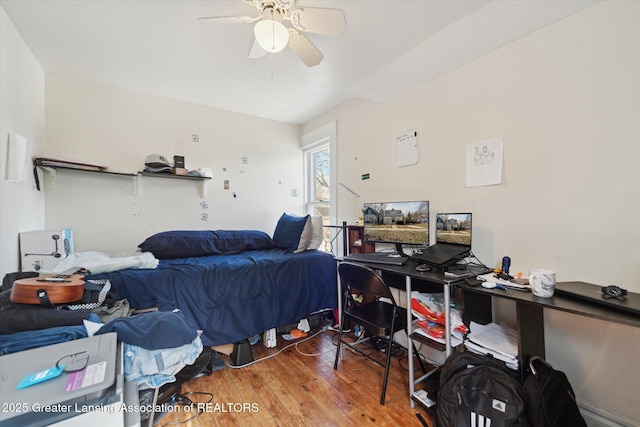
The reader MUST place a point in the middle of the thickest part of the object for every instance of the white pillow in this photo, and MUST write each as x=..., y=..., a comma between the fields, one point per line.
x=305, y=237
x=316, y=232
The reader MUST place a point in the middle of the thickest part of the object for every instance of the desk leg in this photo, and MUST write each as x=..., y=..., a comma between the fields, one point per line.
x=409, y=342
x=530, y=323
x=339, y=320
x=447, y=326
x=477, y=307
x=339, y=284
x=447, y=317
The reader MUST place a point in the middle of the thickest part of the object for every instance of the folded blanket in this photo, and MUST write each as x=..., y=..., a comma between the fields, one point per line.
x=31, y=317
x=26, y=340
x=101, y=262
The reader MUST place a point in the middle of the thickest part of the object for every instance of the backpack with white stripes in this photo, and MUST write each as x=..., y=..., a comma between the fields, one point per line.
x=479, y=391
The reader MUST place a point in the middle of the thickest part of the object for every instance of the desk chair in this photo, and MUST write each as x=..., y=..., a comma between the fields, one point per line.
x=380, y=317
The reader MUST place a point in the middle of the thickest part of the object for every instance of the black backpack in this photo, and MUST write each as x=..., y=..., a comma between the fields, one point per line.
x=479, y=391
x=551, y=401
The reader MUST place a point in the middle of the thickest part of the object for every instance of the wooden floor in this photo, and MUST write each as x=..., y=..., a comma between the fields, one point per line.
x=299, y=387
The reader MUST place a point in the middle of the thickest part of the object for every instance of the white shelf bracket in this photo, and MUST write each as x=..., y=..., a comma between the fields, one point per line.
x=49, y=178
x=137, y=186
x=204, y=188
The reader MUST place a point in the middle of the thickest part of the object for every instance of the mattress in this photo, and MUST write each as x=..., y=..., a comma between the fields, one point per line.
x=233, y=297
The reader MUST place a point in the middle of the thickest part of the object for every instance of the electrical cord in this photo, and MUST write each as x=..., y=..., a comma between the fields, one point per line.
x=184, y=400
x=362, y=339
x=311, y=354
x=399, y=353
x=480, y=263
x=295, y=344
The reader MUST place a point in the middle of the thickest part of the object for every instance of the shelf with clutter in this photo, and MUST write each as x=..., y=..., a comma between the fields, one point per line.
x=156, y=166
x=356, y=241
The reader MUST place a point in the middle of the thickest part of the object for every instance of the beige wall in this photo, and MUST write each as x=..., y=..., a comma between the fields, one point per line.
x=119, y=128
x=566, y=100
x=22, y=113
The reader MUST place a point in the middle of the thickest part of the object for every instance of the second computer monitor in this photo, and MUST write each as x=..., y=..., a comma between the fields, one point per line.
x=454, y=228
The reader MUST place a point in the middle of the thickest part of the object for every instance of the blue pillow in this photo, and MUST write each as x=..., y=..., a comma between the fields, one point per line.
x=288, y=231
x=194, y=243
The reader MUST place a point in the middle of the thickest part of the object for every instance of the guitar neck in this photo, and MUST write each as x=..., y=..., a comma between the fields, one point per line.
x=60, y=277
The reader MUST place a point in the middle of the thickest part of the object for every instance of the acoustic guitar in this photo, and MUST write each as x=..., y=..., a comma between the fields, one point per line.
x=49, y=289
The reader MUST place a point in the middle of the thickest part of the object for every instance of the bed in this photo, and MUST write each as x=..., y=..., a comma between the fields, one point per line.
x=233, y=284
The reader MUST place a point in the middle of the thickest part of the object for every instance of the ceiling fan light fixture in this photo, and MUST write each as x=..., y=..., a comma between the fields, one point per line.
x=271, y=35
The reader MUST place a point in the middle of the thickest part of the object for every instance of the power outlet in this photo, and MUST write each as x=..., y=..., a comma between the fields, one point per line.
x=195, y=138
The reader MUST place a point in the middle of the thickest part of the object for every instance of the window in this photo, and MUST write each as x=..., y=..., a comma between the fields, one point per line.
x=319, y=182
x=320, y=170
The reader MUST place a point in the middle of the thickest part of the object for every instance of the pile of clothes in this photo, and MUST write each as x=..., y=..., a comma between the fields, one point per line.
x=157, y=345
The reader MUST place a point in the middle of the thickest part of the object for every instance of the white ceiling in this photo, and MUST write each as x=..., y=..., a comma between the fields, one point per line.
x=160, y=47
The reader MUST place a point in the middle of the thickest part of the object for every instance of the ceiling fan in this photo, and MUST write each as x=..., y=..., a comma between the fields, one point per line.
x=271, y=35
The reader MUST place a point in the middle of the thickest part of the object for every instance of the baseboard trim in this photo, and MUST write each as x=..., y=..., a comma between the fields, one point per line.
x=597, y=417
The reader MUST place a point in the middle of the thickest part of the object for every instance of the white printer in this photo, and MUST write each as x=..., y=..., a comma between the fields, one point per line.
x=91, y=391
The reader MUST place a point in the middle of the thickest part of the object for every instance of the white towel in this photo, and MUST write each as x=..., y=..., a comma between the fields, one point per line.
x=101, y=262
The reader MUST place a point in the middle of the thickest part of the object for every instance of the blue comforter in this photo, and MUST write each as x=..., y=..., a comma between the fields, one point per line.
x=233, y=297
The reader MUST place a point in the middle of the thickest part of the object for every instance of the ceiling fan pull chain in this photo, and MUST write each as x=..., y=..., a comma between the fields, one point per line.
x=271, y=60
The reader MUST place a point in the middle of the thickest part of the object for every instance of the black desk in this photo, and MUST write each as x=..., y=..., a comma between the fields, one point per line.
x=530, y=315
x=477, y=306
x=405, y=277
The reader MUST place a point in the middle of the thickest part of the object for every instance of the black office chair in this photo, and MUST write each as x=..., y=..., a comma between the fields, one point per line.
x=381, y=318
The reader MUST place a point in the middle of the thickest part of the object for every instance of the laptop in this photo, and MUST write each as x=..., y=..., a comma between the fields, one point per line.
x=377, y=258
x=453, y=240
x=94, y=360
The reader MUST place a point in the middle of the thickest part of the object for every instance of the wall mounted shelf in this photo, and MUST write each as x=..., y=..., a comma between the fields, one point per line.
x=51, y=171
x=204, y=180
x=171, y=176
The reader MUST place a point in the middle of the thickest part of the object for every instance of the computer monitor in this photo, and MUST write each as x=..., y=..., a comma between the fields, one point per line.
x=399, y=223
x=454, y=228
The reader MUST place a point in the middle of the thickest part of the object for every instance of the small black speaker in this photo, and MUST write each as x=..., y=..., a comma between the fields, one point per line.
x=178, y=161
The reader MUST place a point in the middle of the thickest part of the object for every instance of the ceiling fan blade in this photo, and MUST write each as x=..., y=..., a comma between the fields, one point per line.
x=330, y=22
x=226, y=19
x=304, y=49
x=256, y=51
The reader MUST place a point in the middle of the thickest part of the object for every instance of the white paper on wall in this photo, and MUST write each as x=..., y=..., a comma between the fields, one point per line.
x=407, y=148
x=484, y=162
x=16, y=158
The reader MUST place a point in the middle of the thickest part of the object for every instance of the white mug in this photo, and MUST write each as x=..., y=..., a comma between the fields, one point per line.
x=542, y=282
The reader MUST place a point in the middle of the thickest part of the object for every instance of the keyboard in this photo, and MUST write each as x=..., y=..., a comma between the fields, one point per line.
x=377, y=258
